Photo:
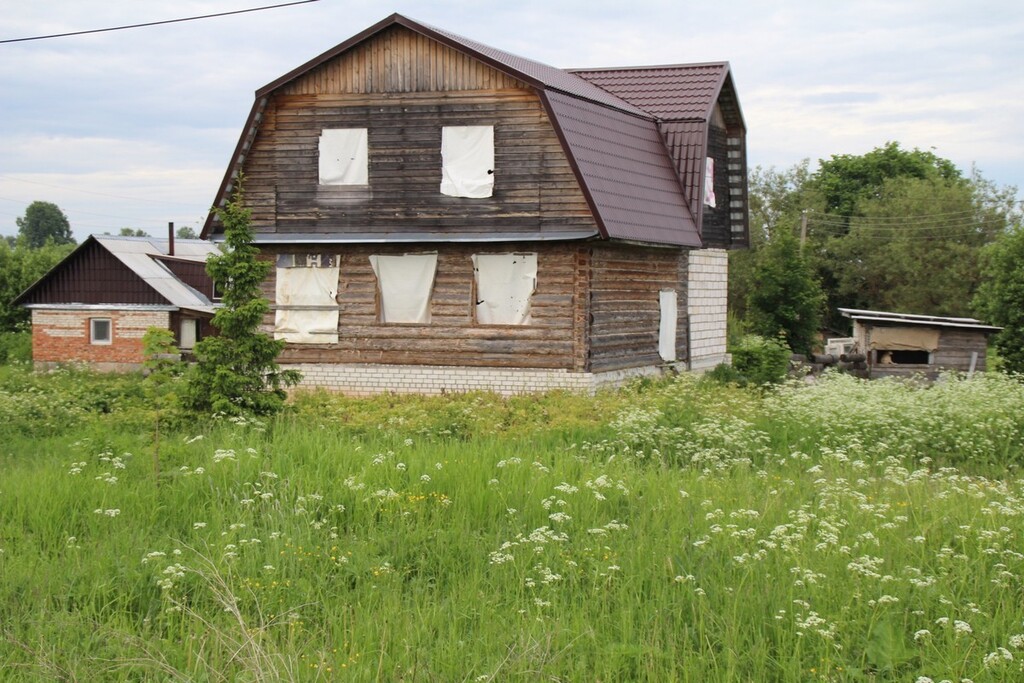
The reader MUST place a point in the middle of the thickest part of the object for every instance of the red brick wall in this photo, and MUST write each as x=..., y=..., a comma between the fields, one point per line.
x=63, y=336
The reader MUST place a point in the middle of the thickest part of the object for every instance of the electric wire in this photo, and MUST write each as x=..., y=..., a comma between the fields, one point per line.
x=154, y=23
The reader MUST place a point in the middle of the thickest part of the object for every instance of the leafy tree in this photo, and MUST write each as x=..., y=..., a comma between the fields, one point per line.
x=891, y=229
x=186, y=232
x=44, y=221
x=845, y=180
x=20, y=267
x=236, y=371
x=1000, y=298
x=785, y=296
x=916, y=246
x=777, y=199
x=133, y=232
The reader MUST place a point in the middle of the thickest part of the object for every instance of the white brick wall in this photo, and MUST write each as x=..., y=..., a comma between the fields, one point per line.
x=707, y=305
x=362, y=380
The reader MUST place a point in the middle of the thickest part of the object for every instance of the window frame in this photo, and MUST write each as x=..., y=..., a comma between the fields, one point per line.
x=94, y=339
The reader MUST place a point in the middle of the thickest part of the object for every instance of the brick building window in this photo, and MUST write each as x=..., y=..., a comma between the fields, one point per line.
x=100, y=331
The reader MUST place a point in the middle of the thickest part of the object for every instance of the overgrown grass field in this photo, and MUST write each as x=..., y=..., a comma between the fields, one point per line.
x=671, y=531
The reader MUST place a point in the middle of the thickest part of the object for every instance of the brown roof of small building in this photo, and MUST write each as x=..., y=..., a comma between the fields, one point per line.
x=612, y=126
x=106, y=269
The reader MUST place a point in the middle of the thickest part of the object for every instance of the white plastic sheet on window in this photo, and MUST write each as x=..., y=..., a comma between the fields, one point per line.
x=307, y=311
x=405, y=283
x=667, y=328
x=344, y=156
x=504, y=286
x=709, y=182
x=467, y=161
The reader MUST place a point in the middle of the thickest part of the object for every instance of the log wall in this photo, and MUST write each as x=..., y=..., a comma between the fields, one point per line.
x=554, y=339
x=625, y=310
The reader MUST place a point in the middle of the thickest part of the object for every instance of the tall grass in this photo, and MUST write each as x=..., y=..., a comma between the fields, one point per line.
x=676, y=530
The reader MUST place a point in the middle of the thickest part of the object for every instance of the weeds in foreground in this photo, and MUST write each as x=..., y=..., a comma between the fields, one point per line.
x=675, y=531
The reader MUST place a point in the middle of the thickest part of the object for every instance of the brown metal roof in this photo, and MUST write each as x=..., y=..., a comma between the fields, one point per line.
x=625, y=172
x=612, y=126
x=687, y=143
x=680, y=91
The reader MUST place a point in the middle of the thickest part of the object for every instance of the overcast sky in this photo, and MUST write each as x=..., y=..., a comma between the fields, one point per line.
x=135, y=128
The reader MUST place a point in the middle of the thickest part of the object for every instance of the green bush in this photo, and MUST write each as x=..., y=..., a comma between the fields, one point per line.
x=760, y=360
x=15, y=347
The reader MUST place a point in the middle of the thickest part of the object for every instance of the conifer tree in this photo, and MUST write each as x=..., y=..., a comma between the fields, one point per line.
x=236, y=372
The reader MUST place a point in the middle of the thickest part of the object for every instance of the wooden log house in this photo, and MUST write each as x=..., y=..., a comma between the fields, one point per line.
x=445, y=216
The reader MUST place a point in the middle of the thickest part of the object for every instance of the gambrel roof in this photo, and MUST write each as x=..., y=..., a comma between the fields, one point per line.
x=635, y=138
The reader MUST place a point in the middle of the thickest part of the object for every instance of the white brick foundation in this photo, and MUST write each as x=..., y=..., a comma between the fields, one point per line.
x=363, y=380
x=707, y=305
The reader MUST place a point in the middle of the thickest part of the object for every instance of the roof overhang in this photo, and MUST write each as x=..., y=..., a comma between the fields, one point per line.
x=887, y=318
x=418, y=237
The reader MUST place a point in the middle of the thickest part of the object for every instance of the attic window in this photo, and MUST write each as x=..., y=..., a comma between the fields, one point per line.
x=305, y=303
x=467, y=161
x=344, y=156
x=404, y=284
x=505, y=284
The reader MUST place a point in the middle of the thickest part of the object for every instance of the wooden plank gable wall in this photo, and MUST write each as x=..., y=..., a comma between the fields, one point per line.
x=404, y=88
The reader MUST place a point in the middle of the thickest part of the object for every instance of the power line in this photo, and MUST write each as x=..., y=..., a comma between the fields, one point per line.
x=155, y=23
x=98, y=194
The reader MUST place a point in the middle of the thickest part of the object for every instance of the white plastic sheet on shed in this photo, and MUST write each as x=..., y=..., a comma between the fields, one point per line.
x=467, y=161
x=405, y=283
x=344, y=156
x=504, y=286
x=307, y=311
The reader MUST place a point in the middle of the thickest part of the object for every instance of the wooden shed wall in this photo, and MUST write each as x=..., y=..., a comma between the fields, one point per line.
x=554, y=339
x=953, y=353
x=625, y=308
x=403, y=88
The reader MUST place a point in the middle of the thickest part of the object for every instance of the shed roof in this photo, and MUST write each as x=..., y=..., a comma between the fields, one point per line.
x=889, y=318
x=607, y=120
x=144, y=257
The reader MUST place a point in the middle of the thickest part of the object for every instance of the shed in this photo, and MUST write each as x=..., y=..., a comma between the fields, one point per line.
x=446, y=216
x=95, y=305
x=903, y=344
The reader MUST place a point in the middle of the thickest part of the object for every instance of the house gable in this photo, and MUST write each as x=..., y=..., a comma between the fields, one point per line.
x=91, y=275
x=384, y=86
x=399, y=64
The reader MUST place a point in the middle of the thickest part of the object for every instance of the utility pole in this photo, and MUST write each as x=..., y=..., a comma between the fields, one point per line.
x=803, y=229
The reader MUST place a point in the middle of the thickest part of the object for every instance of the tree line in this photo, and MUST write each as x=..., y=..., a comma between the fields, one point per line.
x=893, y=229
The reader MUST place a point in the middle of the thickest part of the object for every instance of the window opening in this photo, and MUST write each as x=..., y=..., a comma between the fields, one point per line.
x=404, y=284
x=306, y=307
x=467, y=161
x=344, y=156
x=505, y=284
x=100, y=331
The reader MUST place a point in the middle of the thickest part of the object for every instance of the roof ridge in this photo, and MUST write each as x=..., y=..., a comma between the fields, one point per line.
x=645, y=67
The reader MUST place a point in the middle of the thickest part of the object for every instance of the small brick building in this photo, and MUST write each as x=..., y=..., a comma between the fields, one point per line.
x=95, y=306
